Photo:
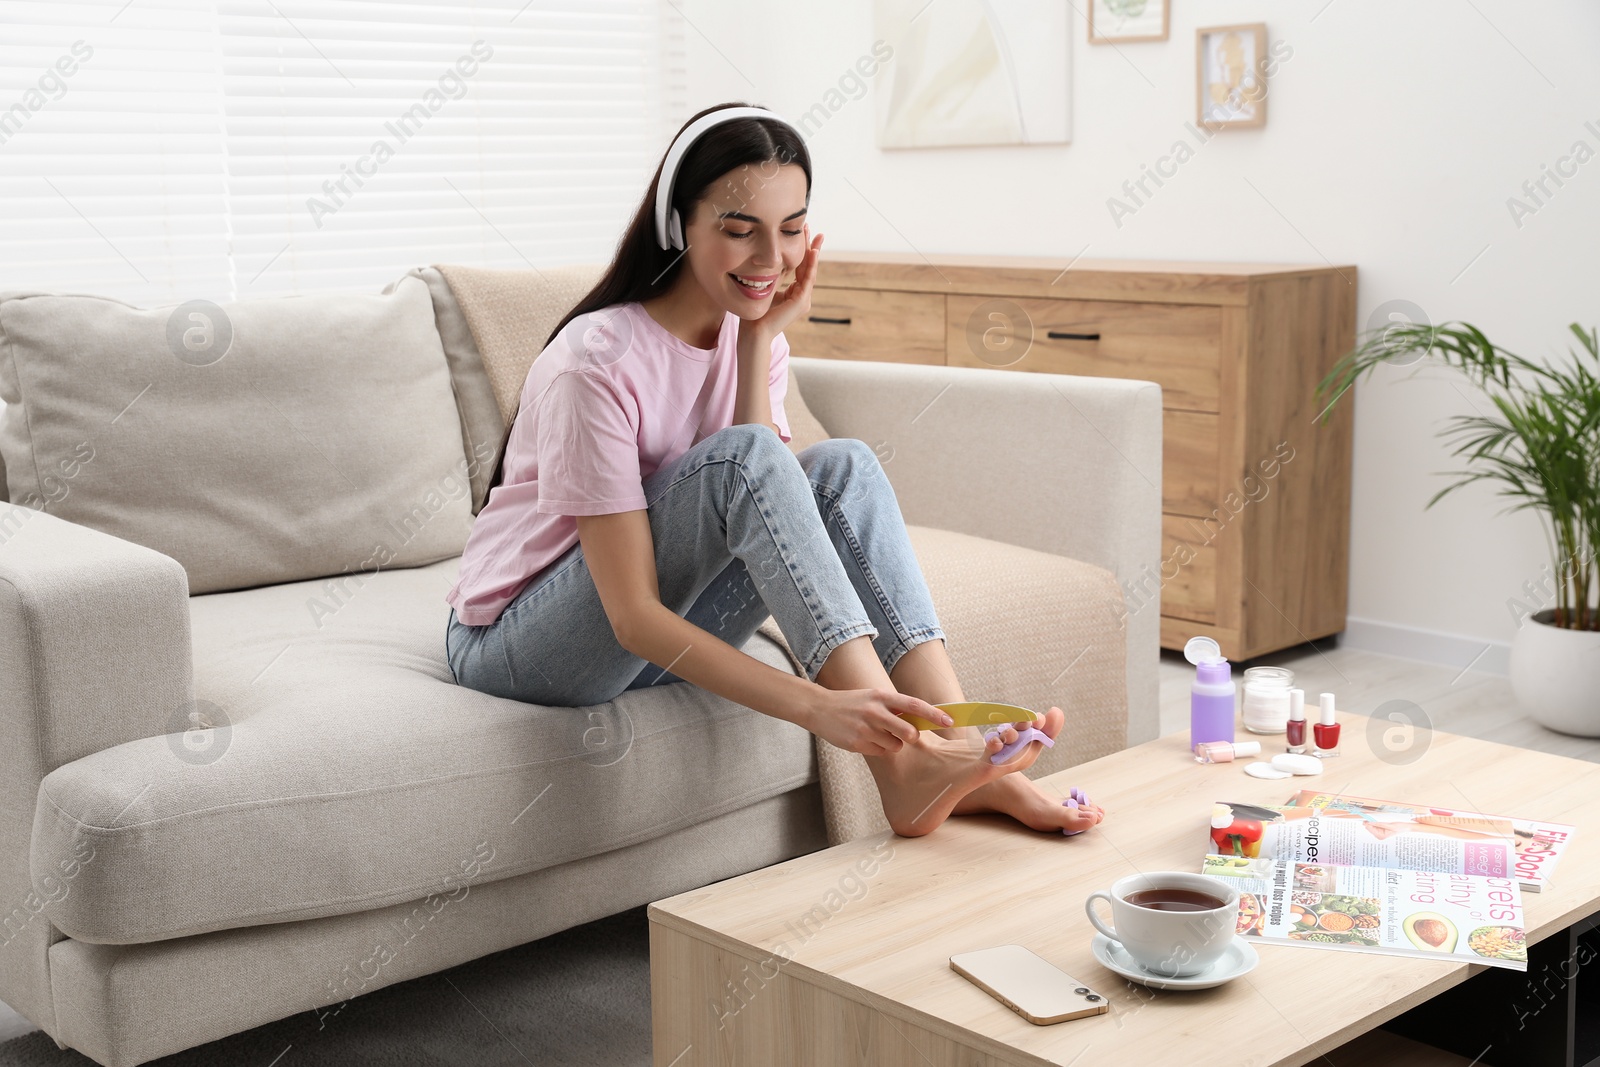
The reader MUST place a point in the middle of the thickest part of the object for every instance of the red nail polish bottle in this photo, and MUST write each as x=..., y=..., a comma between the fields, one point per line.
x=1326, y=730
x=1295, y=729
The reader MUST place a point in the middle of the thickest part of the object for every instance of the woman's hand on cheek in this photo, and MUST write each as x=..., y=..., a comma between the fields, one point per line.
x=795, y=301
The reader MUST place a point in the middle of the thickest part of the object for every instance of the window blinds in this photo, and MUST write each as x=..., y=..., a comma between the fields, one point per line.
x=112, y=172
x=235, y=149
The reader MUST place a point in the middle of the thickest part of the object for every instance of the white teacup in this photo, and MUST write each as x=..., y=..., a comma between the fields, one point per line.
x=1171, y=944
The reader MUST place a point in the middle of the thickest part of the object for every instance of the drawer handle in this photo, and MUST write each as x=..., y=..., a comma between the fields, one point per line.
x=825, y=319
x=1060, y=335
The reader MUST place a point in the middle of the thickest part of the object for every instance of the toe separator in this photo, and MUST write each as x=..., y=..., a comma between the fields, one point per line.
x=1024, y=737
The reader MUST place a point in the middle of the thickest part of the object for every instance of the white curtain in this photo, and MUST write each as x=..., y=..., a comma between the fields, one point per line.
x=166, y=150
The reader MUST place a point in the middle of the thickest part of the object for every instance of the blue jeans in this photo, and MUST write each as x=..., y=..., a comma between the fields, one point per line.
x=743, y=528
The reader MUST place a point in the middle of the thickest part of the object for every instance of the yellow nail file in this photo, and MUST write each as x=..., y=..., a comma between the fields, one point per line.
x=974, y=713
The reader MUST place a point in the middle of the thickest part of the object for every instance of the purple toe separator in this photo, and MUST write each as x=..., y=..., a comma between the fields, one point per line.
x=1076, y=799
x=1025, y=735
x=1064, y=831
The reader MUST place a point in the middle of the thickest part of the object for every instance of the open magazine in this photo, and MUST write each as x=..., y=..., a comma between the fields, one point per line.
x=1535, y=845
x=1349, y=831
x=1428, y=914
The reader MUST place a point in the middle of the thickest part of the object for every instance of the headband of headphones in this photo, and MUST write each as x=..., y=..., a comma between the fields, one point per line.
x=669, y=227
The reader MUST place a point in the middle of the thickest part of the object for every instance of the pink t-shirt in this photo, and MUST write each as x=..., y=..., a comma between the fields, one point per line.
x=608, y=403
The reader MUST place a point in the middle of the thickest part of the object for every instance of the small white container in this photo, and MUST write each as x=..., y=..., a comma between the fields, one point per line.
x=1266, y=699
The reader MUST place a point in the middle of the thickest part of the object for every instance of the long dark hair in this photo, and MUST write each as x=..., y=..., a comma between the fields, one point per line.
x=642, y=269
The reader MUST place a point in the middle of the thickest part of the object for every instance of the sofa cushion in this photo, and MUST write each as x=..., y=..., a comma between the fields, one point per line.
x=272, y=440
x=475, y=400
x=344, y=770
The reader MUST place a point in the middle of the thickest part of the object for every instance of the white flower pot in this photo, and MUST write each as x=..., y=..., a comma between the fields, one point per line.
x=1555, y=674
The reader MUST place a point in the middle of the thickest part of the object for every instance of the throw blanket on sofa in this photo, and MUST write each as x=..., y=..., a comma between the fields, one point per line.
x=1054, y=606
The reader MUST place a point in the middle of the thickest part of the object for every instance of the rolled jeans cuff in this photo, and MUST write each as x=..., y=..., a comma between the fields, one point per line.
x=824, y=646
x=912, y=640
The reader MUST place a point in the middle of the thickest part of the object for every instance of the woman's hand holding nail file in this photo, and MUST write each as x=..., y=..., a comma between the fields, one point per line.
x=974, y=713
x=873, y=722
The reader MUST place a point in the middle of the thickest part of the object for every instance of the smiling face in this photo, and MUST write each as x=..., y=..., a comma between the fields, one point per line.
x=748, y=225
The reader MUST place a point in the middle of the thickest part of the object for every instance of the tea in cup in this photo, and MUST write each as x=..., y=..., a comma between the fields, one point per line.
x=1174, y=924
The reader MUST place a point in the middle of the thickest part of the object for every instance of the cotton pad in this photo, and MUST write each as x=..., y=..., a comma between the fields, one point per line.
x=1265, y=770
x=1297, y=763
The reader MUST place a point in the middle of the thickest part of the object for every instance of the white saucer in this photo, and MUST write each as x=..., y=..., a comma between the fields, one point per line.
x=1240, y=958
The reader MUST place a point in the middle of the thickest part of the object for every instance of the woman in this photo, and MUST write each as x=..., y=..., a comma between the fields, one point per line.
x=646, y=515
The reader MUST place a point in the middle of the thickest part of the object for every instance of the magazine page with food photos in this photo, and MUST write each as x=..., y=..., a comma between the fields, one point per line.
x=1407, y=839
x=1538, y=843
x=1387, y=911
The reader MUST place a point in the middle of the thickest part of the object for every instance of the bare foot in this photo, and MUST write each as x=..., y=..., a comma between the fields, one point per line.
x=921, y=784
x=1026, y=801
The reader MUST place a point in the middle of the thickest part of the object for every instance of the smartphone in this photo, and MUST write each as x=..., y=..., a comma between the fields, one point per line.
x=1029, y=985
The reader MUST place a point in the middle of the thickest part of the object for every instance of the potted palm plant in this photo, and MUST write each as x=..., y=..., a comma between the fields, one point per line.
x=1541, y=448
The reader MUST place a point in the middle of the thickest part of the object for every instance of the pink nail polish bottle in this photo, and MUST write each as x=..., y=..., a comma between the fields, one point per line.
x=1225, y=751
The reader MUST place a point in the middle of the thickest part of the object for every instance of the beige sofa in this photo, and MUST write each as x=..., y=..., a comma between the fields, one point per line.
x=238, y=780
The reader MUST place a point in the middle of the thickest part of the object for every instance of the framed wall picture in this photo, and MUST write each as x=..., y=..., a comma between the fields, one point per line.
x=971, y=72
x=1116, y=21
x=1231, y=72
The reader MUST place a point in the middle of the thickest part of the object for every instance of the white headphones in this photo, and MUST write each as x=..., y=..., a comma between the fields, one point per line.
x=669, y=227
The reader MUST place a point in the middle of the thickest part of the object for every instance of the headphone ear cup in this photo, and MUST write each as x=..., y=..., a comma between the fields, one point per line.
x=675, y=229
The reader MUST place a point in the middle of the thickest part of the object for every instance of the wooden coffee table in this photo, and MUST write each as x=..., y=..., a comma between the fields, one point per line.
x=842, y=956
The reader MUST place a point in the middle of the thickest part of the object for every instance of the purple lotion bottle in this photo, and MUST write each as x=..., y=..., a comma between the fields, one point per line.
x=1211, y=698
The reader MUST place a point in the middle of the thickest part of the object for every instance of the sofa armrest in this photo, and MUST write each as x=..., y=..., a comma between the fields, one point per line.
x=94, y=651
x=1060, y=463
x=94, y=640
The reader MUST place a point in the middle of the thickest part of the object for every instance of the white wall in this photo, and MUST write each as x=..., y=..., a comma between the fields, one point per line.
x=1396, y=134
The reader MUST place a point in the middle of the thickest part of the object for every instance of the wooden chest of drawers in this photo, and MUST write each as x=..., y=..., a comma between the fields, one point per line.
x=1256, y=493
